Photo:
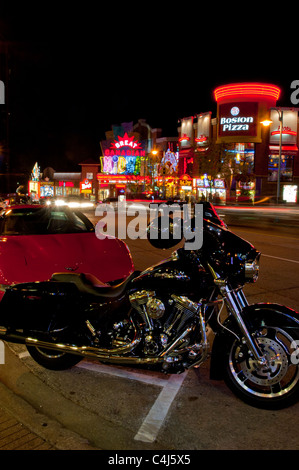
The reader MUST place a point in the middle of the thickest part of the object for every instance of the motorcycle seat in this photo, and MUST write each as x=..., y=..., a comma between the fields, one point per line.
x=89, y=284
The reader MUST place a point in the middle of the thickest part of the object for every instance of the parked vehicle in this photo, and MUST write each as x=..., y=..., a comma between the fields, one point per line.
x=158, y=318
x=37, y=240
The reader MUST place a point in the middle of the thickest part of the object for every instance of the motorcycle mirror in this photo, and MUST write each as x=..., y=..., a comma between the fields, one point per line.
x=164, y=232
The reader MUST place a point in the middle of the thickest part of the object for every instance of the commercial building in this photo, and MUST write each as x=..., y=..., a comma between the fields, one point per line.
x=136, y=160
x=50, y=183
x=234, y=156
x=229, y=157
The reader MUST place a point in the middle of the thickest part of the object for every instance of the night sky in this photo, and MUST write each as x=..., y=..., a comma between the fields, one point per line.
x=77, y=71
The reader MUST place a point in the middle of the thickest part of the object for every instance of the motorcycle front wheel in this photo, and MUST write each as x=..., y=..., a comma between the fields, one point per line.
x=274, y=386
x=53, y=360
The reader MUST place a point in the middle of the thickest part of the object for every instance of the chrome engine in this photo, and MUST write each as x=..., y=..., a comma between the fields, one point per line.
x=167, y=326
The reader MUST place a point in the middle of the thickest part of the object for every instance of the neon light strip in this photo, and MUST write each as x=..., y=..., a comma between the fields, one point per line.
x=284, y=132
x=183, y=138
x=252, y=89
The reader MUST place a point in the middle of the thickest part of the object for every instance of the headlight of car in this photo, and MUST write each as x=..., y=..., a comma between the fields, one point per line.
x=60, y=202
x=252, y=269
x=74, y=205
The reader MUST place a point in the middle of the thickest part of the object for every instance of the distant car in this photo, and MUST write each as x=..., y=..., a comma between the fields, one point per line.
x=37, y=241
x=122, y=204
x=73, y=202
x=109, y=201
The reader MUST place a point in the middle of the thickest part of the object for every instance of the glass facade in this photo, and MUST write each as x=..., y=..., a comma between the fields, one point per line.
x=286, y=168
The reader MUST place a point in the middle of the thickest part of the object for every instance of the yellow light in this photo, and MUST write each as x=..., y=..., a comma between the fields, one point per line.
x=266, y=122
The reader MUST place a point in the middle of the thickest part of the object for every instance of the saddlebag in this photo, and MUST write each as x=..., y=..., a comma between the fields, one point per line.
x=33, y=306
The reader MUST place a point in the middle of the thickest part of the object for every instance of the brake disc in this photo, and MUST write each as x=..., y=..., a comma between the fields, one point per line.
x=277, y=364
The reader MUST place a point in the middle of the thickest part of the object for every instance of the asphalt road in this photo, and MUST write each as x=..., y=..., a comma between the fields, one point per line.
x=109, y=407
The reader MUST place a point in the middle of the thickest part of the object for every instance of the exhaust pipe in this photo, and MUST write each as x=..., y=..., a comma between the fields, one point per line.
x=115, y=355
x=103, y=355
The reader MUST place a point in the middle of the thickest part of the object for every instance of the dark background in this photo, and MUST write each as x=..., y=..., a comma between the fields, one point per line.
x=77, y=69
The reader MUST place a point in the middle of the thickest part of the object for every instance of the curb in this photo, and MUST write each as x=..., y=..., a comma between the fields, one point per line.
x=18, y=419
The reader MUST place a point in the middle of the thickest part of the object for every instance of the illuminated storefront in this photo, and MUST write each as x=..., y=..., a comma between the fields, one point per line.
x=195, y=138
x=289, y=151
x=41, y=186
x=241, y=110
x=166, y=180
x=206, y=188
x=237, y=151
x=123, y=167
x=34, y=183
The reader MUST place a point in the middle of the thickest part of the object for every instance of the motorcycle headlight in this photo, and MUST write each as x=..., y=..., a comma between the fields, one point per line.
x=252, y=269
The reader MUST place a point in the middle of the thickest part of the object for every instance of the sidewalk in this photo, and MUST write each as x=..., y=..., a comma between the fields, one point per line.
x=23, y=425
x=15, y=436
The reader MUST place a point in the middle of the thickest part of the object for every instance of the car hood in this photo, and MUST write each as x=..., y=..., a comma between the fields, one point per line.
x=26, y=258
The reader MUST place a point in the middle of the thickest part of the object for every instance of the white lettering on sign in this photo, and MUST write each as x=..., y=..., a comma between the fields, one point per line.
x=236, y=123
x=86, y=185
x=238, y=119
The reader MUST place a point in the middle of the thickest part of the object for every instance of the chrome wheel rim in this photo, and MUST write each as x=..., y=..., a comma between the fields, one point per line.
x=276, y=379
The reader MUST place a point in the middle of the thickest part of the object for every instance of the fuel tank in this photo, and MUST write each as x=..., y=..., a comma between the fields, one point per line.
x=181, y=273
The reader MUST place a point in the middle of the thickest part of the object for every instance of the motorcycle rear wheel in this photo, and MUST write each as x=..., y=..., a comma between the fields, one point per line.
x=273, y=387
x=53, y=360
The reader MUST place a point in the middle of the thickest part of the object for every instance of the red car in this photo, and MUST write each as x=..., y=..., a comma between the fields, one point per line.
x=37, y=241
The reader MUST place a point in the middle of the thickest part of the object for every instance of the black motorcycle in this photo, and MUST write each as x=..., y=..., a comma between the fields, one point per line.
x=159, y=318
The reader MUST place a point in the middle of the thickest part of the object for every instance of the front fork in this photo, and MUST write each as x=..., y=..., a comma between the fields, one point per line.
x=235, y=301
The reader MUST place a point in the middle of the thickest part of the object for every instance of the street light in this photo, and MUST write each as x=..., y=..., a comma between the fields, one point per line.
x=267, y=122
x=280, y=118
x=154, y=154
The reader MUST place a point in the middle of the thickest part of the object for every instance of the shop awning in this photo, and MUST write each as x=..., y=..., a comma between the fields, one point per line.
x=285, y=149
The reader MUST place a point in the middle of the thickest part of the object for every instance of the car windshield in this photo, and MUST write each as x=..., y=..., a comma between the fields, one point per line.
x=43, y=221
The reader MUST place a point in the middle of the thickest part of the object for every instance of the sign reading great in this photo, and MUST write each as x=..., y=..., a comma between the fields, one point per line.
x=238, y=119
x=122, y=156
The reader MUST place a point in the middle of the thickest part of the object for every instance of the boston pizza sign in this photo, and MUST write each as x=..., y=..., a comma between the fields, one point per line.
x=238, y=119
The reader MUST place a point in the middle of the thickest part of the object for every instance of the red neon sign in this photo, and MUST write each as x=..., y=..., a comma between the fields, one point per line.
x=238, y=90
x=184, y=138
x=121, y=178
x=126, y=141
x=85, y=185
x=201, y=138
x=67, y=184
x=284, y=132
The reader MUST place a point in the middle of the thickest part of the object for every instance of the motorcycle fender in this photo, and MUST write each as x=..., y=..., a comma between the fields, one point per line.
x=279, y=315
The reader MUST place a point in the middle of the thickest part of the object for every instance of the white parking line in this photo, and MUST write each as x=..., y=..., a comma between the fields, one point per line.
x=150, y=427
x=154, y=420
x=104, y=369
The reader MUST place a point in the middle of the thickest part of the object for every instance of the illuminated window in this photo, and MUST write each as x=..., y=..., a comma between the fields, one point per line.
x=286, y=168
